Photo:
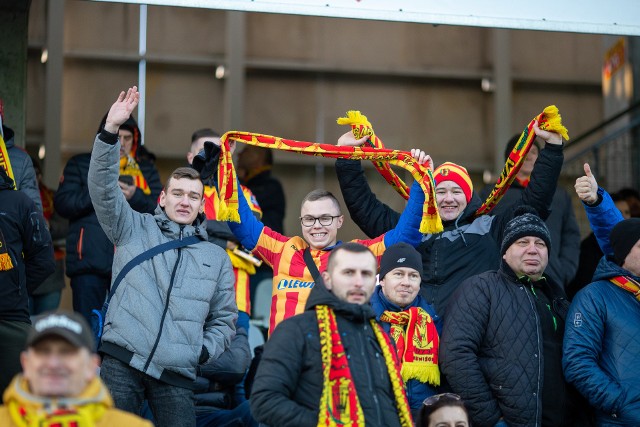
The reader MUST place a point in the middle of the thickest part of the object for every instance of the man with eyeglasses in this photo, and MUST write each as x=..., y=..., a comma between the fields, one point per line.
x=297, y=260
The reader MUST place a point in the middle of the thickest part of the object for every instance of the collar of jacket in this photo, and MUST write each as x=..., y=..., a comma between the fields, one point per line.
x=95, y=393
x=320, y=295
x=172, y=229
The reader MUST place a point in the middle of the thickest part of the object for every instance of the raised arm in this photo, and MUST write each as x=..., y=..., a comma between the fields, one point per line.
x=602, y=212
x=408, y=228
x=113, y=212
x=370, y=214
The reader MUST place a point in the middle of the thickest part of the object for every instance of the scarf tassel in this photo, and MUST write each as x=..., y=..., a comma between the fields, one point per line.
x=420, y=372
x=5, y=262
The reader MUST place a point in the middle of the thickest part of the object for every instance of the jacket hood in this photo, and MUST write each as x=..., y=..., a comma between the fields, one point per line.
x=95, y=398
x=8, y=136
x=132, y=126
x=320, y=295
x=6, y=183
x=172, y=229
x=607, y=268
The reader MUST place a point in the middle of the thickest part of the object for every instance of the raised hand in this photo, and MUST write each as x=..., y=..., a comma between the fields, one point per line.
x=349, y=140
x=422, y=158
x=587, y=186
x=549, y=137
x=122, y=109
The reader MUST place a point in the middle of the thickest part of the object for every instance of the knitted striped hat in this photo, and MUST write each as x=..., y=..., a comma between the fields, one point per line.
x=451, y=172
x=525, y=222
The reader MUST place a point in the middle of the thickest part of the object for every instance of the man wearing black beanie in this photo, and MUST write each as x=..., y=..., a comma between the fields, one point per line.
x=501, y=347
x=409, y=320
x=602, y=338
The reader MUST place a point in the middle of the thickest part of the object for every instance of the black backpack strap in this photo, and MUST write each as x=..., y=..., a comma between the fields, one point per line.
x=148, y=254
x=313, y=269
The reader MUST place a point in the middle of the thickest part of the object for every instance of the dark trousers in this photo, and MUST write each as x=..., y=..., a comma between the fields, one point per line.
x=13, y=336
x=170, y=405
x=89, y=292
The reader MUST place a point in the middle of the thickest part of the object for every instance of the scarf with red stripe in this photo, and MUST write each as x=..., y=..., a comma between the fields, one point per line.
x=5, y=163
x=430, y=223
x=628, y=284
x=549, y=120
x=129, y=166
x=417, y=343
x=339, y=403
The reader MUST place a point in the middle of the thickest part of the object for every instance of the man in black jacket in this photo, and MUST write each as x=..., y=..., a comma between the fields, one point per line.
x=469, y=244
x=565, y=234
x=26, y=260
x=501, y=346
x=298, y=382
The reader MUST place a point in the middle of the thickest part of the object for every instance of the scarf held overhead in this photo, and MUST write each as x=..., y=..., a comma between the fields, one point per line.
x=417, y=343
x=339, y=403
x=430, y=223
x=549, y=120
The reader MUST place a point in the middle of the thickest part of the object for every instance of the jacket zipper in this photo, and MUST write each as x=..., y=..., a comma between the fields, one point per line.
x=166, y=307
x=363, y=353
x=535, y=314
x=79, y=245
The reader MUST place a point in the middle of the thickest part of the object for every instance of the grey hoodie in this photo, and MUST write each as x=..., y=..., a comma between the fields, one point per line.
x=170, y=309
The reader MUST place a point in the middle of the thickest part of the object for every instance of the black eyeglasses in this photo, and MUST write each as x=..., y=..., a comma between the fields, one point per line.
x=310, y=221
x=432, y=400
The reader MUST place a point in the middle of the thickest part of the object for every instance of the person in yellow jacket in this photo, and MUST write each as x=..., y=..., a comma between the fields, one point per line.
x=59, y=385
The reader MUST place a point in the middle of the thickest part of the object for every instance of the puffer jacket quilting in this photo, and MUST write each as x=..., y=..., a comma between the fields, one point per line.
x=194, y=285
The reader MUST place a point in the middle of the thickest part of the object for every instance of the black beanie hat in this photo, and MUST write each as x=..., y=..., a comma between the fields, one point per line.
x=400, y=255
x=624, y=235
x=525, y=222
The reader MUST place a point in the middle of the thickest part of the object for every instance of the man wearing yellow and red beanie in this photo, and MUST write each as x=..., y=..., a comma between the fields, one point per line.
x=469, y=244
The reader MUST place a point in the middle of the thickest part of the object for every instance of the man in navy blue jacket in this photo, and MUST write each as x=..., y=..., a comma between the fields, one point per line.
x=602, y=337
x=26, y=259
x=408, y=318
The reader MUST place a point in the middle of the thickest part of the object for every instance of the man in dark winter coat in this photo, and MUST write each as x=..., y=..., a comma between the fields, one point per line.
x=565, y=234
x=89, y=251
x=18, y=162
x=26, y=260
x=501, y=347
x=602, y=337
x=469, y=244
x=412, y=324
x=332, y=361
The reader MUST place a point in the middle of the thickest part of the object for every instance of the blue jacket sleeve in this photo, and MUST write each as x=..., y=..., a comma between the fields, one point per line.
x=408, y=228
x=582, y=347
x=249, y=229
x=603, y=216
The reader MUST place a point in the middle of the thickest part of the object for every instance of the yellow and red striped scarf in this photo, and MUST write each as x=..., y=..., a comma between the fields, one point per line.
x=5, y=163
x=5, y=258
x=417, y=344
x=129, y=166
x=430, y=223
x=628, y=284
x=339, y=403
x=548, y=120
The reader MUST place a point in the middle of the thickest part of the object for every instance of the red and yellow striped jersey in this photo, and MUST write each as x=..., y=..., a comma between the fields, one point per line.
x=292, y=281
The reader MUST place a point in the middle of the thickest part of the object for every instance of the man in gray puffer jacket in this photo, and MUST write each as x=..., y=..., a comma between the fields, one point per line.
x=170, y=312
